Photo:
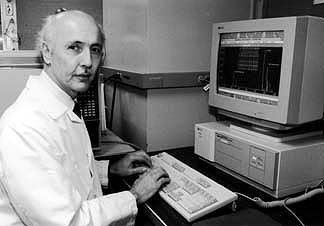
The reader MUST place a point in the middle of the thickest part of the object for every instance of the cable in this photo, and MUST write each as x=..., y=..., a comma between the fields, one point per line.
x=308, y=194
x=292, y=212
x=114, y=78
x=112, y=106
x=288, y=201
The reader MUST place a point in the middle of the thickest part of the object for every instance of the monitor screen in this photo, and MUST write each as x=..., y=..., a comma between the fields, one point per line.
x=249, y=65
x=268, y=71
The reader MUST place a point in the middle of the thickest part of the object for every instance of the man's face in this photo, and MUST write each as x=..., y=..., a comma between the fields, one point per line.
x=76, y=53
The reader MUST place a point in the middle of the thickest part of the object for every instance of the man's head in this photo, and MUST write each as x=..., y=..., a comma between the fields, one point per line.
x=72, y=47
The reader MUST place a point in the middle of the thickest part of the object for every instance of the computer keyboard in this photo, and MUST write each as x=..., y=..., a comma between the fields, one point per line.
x=189, y=192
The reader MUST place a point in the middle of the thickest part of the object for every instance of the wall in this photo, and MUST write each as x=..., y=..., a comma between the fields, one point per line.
x=163, y=36
x=12, y=82
x=31, y=12
x=292, y=8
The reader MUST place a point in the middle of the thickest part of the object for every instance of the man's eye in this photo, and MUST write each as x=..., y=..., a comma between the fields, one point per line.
x=75, y=48
x=96, y=50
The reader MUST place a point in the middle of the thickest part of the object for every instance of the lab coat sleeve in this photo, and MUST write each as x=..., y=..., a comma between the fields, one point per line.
x=40, y=190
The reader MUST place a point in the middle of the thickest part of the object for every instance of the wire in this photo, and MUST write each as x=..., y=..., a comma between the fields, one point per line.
x=245, y=196
x=292, y=212
x=113, y=78
x=288, y=201
x=112, y=106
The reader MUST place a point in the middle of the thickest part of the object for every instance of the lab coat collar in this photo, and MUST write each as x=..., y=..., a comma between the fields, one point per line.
x=56, y=102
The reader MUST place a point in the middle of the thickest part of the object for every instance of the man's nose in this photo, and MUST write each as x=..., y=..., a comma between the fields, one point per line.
x=86, y=60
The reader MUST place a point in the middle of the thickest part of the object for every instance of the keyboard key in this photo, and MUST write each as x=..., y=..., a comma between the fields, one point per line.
x=203, y=183
x=189, y=205
x=175, y=195
x=183, y=181
x=191, y=188
x=171, y=186
x=178, y=167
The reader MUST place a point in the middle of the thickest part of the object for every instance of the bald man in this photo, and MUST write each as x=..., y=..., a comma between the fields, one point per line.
x=48, y=176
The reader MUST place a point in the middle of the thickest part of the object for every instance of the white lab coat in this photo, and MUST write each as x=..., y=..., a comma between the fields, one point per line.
x=48, y=176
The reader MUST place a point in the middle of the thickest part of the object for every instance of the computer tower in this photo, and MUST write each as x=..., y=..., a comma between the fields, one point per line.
x=277, y=168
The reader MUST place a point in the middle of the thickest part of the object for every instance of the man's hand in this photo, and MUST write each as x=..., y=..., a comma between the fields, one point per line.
x=133, y=163
x=149, y=183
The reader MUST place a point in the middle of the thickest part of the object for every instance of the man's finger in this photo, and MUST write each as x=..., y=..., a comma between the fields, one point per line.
x=141, y=156
x=139, y=170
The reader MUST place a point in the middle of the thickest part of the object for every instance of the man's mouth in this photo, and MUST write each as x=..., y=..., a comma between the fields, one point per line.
x=84, y=76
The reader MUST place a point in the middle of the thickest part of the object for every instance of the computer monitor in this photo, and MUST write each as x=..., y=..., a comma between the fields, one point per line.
x=269, y=72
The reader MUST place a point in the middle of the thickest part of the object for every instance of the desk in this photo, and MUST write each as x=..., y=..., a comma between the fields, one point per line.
x=111, y=145
x=159, y=213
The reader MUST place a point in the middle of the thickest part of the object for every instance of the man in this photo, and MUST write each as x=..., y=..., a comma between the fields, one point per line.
x=48, y=176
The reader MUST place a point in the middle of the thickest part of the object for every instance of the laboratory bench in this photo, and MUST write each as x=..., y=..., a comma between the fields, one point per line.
x=156, y=212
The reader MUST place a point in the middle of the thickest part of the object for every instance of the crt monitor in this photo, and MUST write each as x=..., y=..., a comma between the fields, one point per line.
x=269, y=71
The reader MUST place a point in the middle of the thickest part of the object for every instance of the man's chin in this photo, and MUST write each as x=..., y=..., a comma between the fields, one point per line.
x=82, y=88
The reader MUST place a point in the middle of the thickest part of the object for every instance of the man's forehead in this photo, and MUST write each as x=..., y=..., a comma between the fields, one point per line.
x=72, y=31
x=74, y=15
x=81, y=40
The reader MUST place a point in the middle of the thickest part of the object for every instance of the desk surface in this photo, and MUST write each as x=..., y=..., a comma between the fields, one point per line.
x=111, y=145
x=158, y=212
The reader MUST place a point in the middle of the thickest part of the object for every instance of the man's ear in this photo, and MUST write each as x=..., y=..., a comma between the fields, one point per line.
x=46, y=53
x=103, y=57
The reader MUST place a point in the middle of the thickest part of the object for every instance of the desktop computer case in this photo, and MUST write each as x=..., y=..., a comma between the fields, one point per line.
x=277, y=168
